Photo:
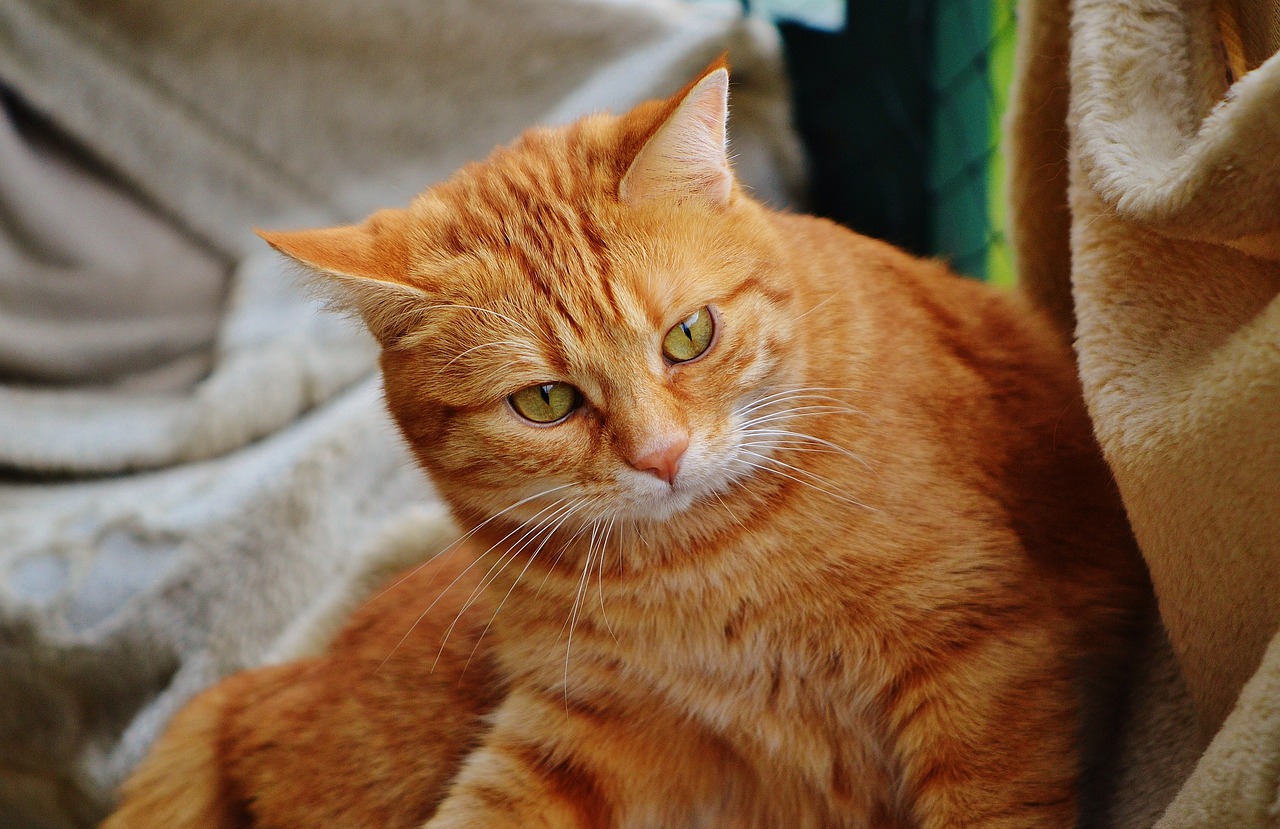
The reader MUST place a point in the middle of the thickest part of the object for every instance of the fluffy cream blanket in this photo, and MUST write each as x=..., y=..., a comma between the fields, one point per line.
x=1145, y=157
x=196, y=472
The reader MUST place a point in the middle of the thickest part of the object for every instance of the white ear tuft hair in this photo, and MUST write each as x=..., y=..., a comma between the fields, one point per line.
x=361, y=269
x=687, y=158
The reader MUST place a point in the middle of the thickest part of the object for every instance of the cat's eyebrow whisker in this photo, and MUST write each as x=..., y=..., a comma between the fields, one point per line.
x=833, y=295
x=498, y=314
x=515, y=343
x=497, y=375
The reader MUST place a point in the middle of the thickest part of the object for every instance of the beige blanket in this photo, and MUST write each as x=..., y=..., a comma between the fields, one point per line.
x=1145, y=150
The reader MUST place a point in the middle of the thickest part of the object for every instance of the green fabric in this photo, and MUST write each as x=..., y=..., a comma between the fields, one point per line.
x=958, y=149
x=901, y=114
x=1000, y=72
x=972, y=70
x=862, y=107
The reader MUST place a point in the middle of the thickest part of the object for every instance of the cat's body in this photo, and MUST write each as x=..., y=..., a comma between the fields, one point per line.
x=848, y=566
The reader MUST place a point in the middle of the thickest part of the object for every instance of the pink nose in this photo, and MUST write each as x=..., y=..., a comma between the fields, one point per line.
x=662, y=458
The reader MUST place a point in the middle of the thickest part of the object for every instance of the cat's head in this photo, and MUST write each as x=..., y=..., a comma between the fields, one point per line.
x=597, y=312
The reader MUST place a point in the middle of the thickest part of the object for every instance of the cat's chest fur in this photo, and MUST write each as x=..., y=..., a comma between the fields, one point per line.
x=723, y=659
x=803, y=718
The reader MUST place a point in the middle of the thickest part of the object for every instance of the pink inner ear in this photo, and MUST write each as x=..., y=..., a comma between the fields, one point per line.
x=687, y=157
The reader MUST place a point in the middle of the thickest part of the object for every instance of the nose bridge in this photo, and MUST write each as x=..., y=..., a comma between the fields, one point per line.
x=646, y=419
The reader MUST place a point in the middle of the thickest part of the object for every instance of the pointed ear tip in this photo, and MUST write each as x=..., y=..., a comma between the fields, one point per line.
x=713, y=86
x=288, y=242
x=271, y=237
x=717, y=77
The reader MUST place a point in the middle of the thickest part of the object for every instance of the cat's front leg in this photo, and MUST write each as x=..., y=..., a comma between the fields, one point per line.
x=511, y=782
x=556, y=763
x=988, y=736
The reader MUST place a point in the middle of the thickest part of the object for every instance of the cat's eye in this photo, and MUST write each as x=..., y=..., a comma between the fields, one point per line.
x=690, y=337
x=546, y=402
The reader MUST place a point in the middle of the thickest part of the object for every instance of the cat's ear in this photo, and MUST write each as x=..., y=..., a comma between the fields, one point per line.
x=687, y=157
x=362, y=268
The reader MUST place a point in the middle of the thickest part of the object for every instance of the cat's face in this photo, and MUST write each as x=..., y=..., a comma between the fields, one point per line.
x=629, y=380
x=578, y=317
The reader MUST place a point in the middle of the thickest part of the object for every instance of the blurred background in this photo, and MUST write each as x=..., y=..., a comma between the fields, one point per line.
x=899, y=107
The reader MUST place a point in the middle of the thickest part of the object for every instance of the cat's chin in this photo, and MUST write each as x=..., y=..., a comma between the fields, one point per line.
x=662, y=506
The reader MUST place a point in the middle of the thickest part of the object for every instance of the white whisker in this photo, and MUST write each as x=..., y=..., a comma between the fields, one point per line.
x=787, y=414
x=517, y=344
x=805, y=437
x=465, y=570
x=463, y=538
x=484, y=311
x=730, y=512
x=798, y=393
x=600, y=578
x=809, y=484
x=554, y=528
x=573, y=615
x=820, y=304
x=504, y=558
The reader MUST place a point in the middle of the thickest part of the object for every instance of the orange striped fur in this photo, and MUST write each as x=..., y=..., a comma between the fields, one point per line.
x=890, y=560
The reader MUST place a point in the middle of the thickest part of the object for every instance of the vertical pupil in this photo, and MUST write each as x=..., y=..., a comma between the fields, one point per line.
x=687, y=325
x=546, y=393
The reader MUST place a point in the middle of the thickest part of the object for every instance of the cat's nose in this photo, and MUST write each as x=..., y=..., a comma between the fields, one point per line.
x=662, y=456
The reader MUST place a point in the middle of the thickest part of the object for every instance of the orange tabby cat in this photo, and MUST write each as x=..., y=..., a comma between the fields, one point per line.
x=775, y=525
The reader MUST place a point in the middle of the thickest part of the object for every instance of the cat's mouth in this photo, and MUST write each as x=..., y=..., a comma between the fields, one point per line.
x=703, y=480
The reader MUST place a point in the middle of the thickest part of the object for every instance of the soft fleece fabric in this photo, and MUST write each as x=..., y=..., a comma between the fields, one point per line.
x=1146, y=200
x=196, y=472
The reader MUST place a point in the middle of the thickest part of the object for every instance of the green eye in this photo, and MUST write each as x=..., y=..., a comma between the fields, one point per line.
x=546, y=403
x=689, y=338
